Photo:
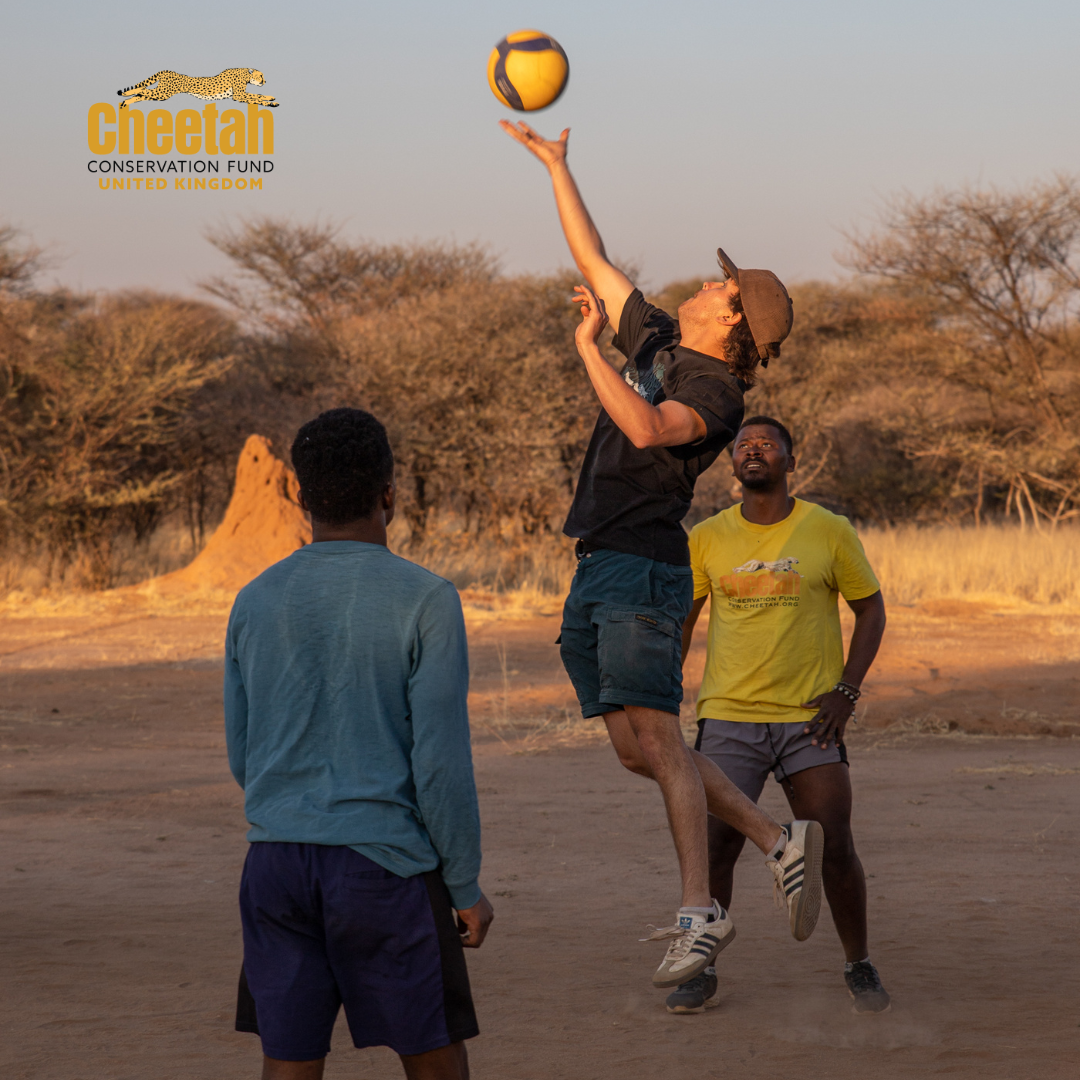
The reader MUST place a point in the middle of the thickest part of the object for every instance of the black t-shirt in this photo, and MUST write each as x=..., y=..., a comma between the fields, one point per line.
x=633, y=500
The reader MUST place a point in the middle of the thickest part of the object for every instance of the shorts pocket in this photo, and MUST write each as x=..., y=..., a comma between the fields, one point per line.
x=672, y=589
x=638, y=651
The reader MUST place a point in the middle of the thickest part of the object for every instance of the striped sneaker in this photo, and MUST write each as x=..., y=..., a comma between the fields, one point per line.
x=798, y=876
x=694, y=945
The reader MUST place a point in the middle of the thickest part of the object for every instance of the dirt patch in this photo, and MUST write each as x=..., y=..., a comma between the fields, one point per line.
x=978, y=669
x=121, y=843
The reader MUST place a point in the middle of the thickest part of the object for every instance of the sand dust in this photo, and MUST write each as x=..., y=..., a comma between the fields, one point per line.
x=121, y=841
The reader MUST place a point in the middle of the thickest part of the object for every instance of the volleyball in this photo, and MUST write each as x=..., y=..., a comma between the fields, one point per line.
x=527, y=70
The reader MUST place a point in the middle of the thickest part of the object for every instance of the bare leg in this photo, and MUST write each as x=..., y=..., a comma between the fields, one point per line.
x=447, y=1063
x=725, y=846
x=729, y=804
x=823, y=794
x=723, y=798
x=666, y=758
x=273, y=1069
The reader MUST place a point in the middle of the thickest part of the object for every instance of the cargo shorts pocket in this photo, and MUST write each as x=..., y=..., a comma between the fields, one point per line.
x=639, y=651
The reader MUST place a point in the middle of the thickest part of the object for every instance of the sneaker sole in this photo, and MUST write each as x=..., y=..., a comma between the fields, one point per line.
x=808, y=907
x=867, y=1012
x=684, y=1010
x=692, y=972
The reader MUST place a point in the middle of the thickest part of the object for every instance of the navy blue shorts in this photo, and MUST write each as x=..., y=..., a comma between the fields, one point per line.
x=622, y=632
x=325, y=927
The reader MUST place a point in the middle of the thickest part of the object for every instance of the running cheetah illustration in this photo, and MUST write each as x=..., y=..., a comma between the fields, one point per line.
x=231, y=83
x=781, y=566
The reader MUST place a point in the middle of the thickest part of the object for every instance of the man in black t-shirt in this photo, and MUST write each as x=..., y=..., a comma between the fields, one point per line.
x=663, y=421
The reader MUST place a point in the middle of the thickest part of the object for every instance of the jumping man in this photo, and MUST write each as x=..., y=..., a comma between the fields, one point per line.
x=663, y=422
x=774, y=566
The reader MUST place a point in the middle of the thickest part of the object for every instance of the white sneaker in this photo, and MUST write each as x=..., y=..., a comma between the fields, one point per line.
x=798, y=876
x=694, y=946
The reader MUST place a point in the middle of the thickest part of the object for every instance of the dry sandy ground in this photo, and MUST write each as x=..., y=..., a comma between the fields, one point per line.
x=121, y=839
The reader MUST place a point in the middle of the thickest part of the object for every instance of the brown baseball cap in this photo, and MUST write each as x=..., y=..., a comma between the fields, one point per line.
x=766, y=305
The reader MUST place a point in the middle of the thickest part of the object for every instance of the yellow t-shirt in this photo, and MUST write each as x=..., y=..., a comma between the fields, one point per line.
x=774, y=625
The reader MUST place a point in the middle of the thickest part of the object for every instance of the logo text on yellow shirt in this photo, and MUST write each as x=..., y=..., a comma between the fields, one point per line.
x=767, y=584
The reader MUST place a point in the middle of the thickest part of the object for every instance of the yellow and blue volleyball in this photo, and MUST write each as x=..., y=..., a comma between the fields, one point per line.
x=527, y=70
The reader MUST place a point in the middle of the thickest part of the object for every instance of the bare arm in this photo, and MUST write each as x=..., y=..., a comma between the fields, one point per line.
x=833, y=708
x=688, y=626
x=866, y=637
x=668, y=424
x=586, y=247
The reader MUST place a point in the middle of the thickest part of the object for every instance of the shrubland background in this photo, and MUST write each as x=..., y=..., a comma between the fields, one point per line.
x=938, y=386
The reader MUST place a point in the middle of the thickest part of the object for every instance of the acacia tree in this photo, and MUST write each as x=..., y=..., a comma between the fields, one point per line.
x=474, y=374
x=19, y=263
x=1001, y=272
x=482, y=390
x=94, y=403
x=297, y=282
x=843, y=388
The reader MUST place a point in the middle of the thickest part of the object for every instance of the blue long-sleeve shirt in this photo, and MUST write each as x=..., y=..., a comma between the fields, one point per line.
x=346, y=683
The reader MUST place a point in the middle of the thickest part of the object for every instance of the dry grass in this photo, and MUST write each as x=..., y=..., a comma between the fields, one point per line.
x=996, y=562
x=515, y=576
x=168, y=548
x=500, y=576
x=495, y=563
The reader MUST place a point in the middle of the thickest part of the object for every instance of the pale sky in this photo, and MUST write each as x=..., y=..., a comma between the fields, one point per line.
x=768, y=127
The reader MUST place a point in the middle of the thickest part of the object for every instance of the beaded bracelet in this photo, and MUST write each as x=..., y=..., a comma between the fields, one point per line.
x=852, y=693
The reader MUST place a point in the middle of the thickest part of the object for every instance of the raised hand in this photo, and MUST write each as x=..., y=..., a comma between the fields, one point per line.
x=593, y=316
x=550, y=152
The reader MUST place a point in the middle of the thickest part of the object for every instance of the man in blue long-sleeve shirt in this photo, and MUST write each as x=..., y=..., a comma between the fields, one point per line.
x=346, y=677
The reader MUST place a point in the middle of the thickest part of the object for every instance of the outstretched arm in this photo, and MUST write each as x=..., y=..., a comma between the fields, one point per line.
x=671, y=423
x=585, y=244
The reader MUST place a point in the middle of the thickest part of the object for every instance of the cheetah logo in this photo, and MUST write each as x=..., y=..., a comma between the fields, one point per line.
x=781, y=566
x=231, y=83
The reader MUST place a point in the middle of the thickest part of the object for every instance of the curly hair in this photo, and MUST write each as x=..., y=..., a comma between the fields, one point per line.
x=740, y=352
x=343, y=461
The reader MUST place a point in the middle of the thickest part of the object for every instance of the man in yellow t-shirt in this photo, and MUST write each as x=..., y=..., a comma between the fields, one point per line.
x=777, y=693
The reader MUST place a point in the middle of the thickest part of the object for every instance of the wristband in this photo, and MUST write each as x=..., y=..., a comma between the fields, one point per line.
x=852, y=693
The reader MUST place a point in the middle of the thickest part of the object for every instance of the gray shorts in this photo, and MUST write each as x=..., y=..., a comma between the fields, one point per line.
x=748, y=752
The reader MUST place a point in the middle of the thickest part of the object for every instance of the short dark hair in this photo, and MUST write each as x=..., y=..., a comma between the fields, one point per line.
x=740, y=352
x=343, y=461
x=768, y=421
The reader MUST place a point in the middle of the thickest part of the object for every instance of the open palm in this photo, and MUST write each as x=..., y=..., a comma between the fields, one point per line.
x=549, y=151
